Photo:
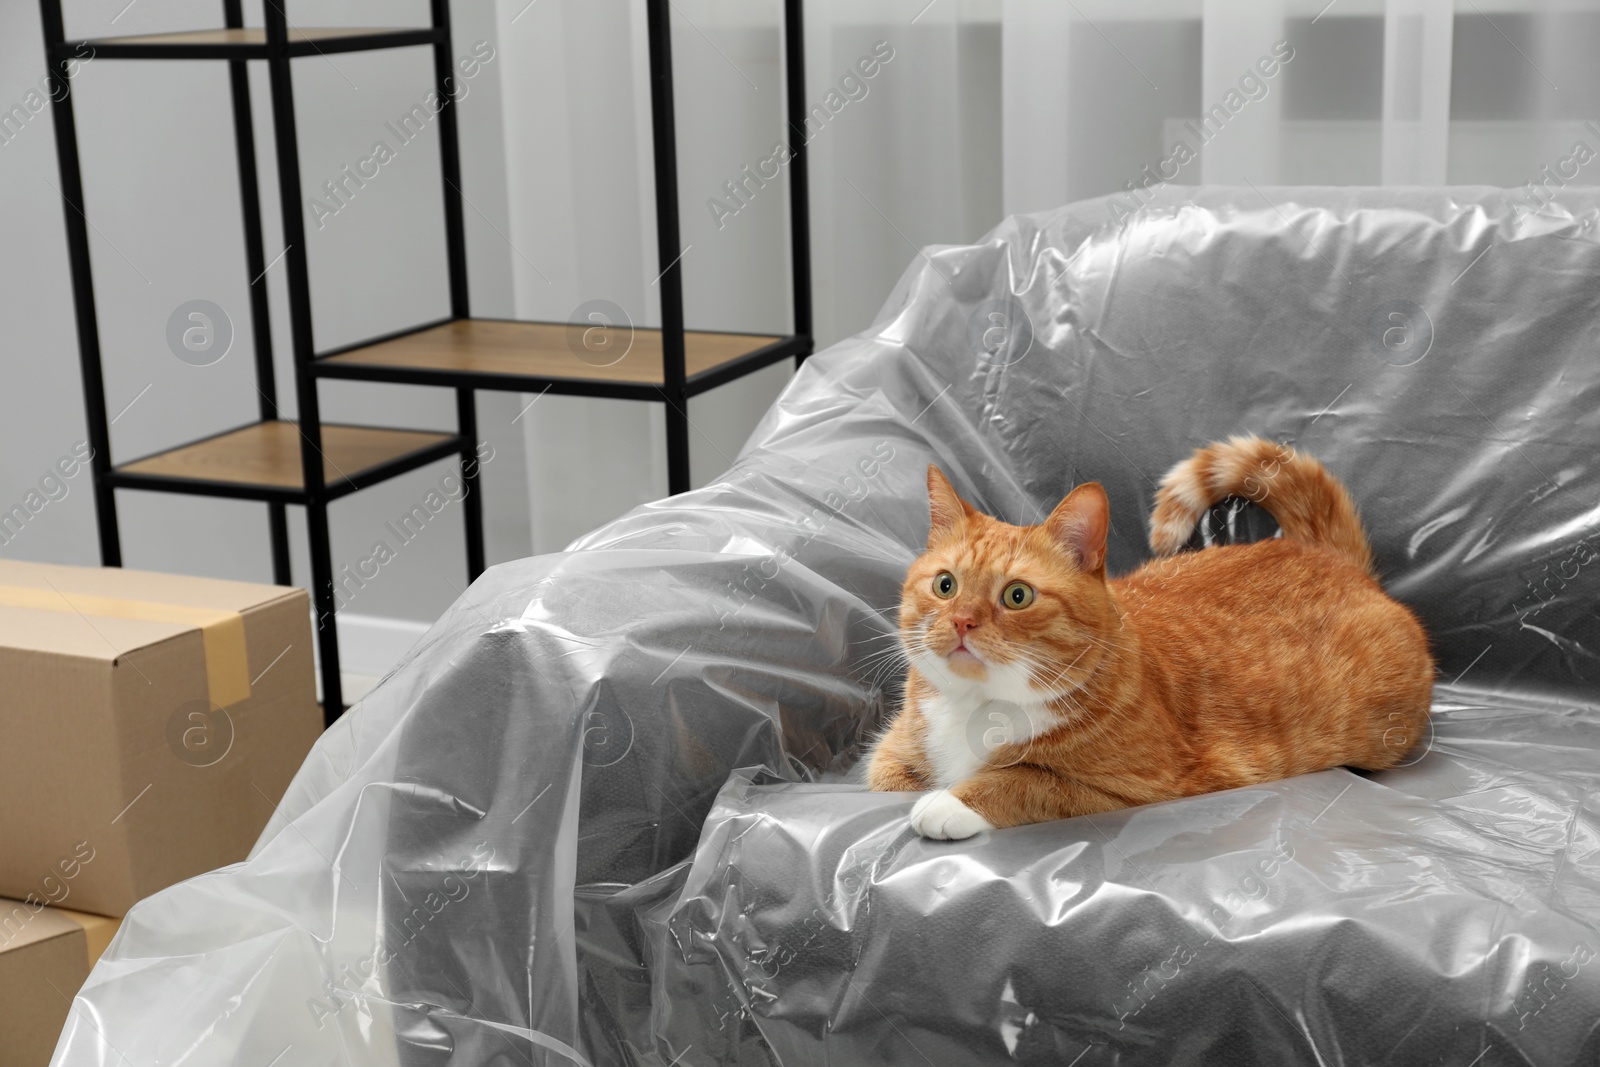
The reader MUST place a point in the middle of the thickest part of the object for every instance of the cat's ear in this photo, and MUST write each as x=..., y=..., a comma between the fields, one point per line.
x=945, y=508
x=1080, y=524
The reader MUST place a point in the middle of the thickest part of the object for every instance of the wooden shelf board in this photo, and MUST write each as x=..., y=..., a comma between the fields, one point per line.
x=250, y=35
x=547, y=350
x=268, y=454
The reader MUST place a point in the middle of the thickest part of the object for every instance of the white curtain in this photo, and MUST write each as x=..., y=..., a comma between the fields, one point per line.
x=1404, y=92
x=975, y=109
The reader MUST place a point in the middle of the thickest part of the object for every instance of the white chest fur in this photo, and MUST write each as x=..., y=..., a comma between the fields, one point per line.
x=954, y=751
x=966, y=721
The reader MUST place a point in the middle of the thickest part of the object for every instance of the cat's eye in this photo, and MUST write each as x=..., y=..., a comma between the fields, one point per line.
x=1017, y=595
x=944, y=585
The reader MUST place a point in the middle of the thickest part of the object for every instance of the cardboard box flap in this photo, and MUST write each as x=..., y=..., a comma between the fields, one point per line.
x=101, y=613
x=70, y=634
x=98, y=929
x=21, y=924
x=146, y=586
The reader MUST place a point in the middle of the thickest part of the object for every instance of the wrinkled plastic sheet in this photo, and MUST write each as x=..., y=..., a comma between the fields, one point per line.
x=603, y=812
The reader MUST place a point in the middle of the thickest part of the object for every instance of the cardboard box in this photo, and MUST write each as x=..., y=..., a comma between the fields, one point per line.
x=98, y=930
x=43, y=962
x=151, y=723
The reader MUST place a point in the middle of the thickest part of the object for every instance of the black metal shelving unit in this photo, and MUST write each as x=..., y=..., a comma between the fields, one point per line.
x=254, y=462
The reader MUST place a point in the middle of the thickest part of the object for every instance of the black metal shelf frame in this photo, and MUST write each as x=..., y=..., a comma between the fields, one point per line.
x=277, y=46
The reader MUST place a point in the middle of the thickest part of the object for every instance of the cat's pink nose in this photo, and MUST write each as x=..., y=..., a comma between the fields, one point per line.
x=963, y=623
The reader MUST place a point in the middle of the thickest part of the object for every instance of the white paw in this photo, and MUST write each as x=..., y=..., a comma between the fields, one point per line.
x=940, y=815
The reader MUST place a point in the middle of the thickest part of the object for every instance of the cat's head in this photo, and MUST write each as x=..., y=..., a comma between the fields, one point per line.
x=1020, y=613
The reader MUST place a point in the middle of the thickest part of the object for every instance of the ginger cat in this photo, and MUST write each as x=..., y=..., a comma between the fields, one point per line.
x=1038, y=689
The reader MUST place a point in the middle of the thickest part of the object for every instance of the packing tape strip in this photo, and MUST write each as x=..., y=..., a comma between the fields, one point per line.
x=221, y=632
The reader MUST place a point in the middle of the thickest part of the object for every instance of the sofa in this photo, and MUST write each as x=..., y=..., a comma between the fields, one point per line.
x=609, y=810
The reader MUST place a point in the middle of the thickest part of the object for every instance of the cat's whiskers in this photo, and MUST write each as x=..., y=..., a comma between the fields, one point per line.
x=1072, y=696
x=1106, y=642
x=882, y=657
x=878, y=665
x=1049, y=688
x=888, y=652
x=1034, y=666
x=1076, y=698
x=879, y=662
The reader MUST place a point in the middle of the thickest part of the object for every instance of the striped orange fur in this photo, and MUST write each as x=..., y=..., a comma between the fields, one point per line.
x=1199, y=671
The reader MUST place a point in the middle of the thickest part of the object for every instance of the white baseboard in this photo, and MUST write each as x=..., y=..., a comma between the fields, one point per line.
x=369, y=647
x=373, y=644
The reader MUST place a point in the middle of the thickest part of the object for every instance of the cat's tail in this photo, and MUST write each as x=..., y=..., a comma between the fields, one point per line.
x=1309, y=504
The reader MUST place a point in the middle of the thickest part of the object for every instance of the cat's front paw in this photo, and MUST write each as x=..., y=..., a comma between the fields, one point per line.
x=942, y=816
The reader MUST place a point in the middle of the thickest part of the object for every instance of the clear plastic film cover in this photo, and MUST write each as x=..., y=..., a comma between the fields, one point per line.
x=607, y=812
